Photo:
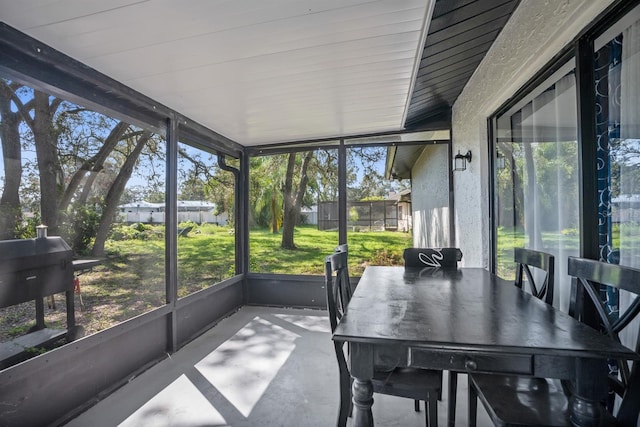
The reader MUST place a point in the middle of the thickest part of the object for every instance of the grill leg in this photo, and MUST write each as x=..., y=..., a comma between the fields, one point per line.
x=39, y=314
x=71, y=310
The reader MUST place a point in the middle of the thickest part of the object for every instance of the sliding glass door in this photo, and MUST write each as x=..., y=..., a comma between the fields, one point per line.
x=536, y=177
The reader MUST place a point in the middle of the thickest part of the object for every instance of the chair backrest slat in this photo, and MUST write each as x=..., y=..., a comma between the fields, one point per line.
x=527, y=258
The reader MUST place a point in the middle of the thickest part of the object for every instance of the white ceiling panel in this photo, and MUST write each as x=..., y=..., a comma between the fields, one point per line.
x=256, y=71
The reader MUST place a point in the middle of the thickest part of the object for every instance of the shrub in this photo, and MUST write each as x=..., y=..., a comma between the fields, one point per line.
x=385, y=257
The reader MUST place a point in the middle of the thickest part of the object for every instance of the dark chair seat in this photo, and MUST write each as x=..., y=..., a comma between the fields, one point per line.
x=517, y=401
x=408, y=382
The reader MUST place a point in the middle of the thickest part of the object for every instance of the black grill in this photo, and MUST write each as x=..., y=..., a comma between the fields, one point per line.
x=30, y=270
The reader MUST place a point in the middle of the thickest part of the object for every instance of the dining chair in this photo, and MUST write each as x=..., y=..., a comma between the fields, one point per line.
x=544, y=263
x=519, y=401
x=432, y=257
x=349, y=288
x=416, y=384
x=529, y=263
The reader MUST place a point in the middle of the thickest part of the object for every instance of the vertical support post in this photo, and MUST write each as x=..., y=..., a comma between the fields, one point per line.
x=342, y=193
x=587, y=161
x=243, y=215
x=452, y=221
x=493, y=234
x=237, y=208
x=587, y=148
x=171, y=233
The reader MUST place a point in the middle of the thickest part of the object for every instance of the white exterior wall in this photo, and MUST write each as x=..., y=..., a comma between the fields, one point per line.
x=536, y=32
x=430, y=197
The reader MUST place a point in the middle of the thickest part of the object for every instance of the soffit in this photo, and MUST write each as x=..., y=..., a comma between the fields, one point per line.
x=284, y=70
x=255, y=71
x=460, y=34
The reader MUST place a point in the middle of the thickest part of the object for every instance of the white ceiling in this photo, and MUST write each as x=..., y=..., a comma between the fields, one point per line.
x=255, y=71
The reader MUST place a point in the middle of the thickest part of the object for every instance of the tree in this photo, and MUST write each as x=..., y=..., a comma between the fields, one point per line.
x=115, y=192
x=49, y=168
x=267, y=181
x=293, y=195
x=10, y=212
x=92, y=166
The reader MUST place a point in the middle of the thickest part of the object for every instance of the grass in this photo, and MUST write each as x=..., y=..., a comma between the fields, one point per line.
x=374, y=247
x=508, y=239
x=131, y=280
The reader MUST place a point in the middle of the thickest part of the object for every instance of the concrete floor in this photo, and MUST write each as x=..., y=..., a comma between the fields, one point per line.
x=259, y=367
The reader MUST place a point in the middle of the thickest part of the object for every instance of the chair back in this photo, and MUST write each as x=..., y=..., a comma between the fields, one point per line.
x=542, y=261
x=590, y=276
x=432, y=257
x=349, y=288
x=337, y=287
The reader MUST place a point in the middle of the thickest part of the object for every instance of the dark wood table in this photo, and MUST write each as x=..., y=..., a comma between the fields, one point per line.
x=468, y=320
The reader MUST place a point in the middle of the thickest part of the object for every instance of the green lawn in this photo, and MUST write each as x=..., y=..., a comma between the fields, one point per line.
x=508, y=239
x=373, y=247
x=206, y=255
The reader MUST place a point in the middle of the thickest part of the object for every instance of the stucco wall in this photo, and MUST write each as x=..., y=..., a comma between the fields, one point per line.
x=430, y=197
x=536, y=32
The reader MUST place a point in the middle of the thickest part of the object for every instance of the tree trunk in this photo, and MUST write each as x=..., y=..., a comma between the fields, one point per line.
x=114, y=194
x=293, y=202
x=92, y=165
x=10, y=211
x=49, y=169
x=532, y=214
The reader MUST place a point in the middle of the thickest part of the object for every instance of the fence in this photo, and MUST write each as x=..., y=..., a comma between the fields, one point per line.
x=365, y=216
x=199, y=217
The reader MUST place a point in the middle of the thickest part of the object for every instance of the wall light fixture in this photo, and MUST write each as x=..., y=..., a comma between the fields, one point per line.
x=460, y=161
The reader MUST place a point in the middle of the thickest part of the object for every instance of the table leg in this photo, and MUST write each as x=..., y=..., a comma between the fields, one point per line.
x=585, y=407
x=362, y=401
x=361, y=366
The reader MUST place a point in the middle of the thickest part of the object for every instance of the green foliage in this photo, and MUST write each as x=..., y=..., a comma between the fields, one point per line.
x=19, y=330
x=80, y=226
x=185, y=224
x=27, y=228
x=385, y=257
x=353, y=214
x=35, y=350
x=136, y=231
x=570, y=232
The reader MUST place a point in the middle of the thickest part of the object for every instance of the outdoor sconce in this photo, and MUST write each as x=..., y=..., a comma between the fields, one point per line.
x=460, y=161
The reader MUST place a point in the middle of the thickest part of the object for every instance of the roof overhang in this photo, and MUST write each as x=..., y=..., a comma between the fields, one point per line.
x=402, y=155
x=258, y=73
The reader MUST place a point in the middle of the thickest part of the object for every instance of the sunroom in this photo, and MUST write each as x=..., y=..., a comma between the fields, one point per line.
x=484, y=125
